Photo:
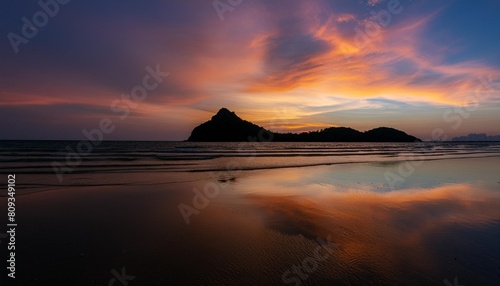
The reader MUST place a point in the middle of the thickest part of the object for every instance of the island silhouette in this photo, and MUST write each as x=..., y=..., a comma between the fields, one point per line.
x=226, y=126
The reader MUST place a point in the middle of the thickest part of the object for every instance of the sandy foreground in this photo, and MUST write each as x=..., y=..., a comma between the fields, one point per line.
x=324, y=225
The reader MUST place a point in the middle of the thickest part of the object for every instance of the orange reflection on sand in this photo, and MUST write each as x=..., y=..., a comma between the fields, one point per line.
x=400, y=228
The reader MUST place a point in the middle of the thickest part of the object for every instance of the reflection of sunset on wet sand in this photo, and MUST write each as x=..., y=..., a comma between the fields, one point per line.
x=264, y=226
x=392, y=232
x=420, y=230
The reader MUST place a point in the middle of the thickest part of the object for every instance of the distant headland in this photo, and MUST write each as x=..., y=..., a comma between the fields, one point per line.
x=481, y=137
x=226, y=126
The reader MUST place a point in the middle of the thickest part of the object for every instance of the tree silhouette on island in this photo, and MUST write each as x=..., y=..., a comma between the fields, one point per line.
x=226, y=126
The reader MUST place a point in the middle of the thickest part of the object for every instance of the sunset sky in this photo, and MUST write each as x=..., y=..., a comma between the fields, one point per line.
x=287, y=65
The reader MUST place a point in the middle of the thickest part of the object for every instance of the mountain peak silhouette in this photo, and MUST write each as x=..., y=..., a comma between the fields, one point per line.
x=226, y=126
x=224, y=112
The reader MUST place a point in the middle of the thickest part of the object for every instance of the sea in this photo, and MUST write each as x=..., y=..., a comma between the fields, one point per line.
x=193, y=213
x=45, y=157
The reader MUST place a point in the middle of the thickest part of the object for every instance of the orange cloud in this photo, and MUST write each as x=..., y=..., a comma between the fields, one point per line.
x=344, y=18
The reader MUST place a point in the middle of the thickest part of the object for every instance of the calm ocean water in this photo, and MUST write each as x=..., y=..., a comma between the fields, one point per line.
x=37, y=157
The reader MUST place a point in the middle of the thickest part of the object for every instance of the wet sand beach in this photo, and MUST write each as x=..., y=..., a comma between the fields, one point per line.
x=319, y=225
